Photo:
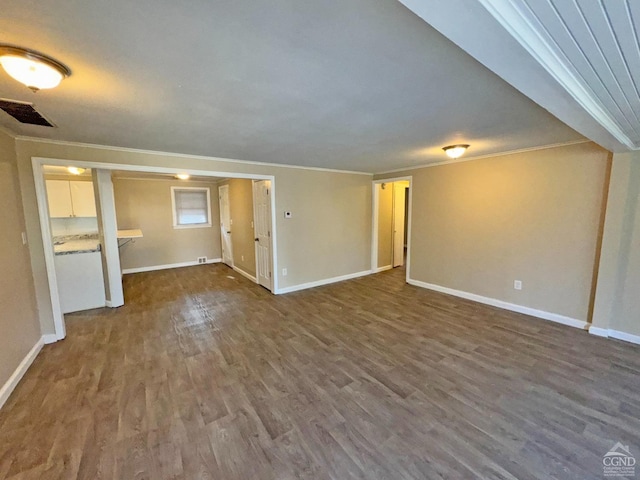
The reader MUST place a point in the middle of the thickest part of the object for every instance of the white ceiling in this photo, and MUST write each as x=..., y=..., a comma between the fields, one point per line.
x=591, y=47
x=350, y=84
x=578, y=59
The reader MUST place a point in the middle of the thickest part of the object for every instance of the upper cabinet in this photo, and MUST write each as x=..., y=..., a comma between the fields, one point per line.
x=59, y=198
x=70, y=199
x=82, y=199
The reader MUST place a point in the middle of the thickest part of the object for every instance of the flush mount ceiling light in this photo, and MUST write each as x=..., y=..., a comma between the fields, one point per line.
x=75, y=170
x=455, y=151
x=35, y=70
x=182, y=176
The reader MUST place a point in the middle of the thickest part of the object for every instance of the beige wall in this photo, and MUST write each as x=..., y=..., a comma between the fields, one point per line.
x=385, y=224
x=617, y=305
x=242, y=233
x=477, y=226
x=146, y=204
x=329, y=235
x=19, y=329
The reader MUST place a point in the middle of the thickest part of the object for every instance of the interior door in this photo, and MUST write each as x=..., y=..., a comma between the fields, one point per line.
x=225, y=225
x=398, y=223
x=262, y=222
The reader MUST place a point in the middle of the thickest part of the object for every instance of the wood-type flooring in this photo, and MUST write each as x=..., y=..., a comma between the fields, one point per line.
x=204, y=375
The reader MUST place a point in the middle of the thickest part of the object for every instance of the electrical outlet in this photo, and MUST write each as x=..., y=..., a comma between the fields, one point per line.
x=284, y=272
x=517, y=284
x=202, y=259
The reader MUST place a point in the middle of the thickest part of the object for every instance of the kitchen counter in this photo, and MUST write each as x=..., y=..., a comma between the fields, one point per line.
x=131, y=233
x=70, y=244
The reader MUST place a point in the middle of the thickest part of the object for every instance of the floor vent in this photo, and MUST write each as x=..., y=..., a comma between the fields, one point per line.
x=24, y=112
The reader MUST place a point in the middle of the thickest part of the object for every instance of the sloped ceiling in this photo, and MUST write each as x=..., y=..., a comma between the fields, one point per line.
x=579, y=59
x=591, y=48
x=349, y=84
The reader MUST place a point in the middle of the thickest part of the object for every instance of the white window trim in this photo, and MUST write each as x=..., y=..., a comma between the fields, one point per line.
x=173, y=208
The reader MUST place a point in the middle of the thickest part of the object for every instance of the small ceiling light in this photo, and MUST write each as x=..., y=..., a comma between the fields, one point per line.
x=35, y=70
x=182, y=176
x=75, y=170
x=455, y=151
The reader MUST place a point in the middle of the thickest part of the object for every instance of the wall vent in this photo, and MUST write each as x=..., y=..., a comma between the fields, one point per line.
x=24, y=112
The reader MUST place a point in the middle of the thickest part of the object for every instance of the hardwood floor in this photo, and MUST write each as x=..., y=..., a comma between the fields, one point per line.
x=203, y=374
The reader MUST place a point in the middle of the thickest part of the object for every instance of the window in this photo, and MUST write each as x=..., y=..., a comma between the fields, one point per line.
x=191, y=207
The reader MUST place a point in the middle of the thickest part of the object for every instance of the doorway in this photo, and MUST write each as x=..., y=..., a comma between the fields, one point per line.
x=399, y=226
x=110, y=244
x=225, y=225
x=391, y=235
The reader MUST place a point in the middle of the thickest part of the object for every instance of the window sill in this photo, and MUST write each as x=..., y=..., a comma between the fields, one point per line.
x=194, y=225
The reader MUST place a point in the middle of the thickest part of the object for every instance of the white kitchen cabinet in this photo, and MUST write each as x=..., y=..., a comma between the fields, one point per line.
x=82, y=199
x=70, y=199
x=59, y=198
x=80, y=281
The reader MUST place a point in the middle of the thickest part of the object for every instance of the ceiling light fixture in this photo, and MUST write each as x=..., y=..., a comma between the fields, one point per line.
x=182, y=176
x=75, y=170
x=35, y=70
x=455, y=151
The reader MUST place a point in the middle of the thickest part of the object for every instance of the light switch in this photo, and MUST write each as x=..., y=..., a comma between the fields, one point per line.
x=24, y=238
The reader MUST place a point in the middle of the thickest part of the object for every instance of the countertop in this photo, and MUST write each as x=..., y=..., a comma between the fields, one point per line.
x=131, y=233
x=82, y=243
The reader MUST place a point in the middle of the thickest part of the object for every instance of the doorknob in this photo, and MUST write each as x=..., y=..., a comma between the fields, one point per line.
x=228, y=231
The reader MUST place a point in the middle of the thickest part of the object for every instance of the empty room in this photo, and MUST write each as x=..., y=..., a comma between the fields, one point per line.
x=383, y=239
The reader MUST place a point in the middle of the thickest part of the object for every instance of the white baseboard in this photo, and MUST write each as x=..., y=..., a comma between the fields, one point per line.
x=617, y=334
x=627, y=337
x=245, y=274
x=382, y=269
x=167, y=266
x=16, y=376
x=600, y=332
x=50, y=338
x=326, y=281
x=554, y=317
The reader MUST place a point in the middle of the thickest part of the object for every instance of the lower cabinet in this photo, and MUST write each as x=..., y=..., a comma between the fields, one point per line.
x=80, y=281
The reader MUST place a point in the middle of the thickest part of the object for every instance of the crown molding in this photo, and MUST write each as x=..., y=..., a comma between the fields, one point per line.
x=489, y=155
x=182, y=155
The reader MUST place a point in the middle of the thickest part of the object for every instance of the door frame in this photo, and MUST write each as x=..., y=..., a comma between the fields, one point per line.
x=394, y=222
x=375, y=203
x=45, y=228
x=222, y=242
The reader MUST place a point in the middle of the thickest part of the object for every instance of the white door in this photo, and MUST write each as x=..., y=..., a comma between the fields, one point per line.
x=262, y=222
x=225, y=225
x=398, y=224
